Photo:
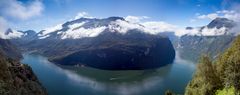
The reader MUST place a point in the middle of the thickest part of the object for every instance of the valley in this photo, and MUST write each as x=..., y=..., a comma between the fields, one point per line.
x=119, y=47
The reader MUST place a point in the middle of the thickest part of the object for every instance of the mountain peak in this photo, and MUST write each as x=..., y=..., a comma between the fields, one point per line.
x=114, y=18
x=221, y=22
x=8, y=31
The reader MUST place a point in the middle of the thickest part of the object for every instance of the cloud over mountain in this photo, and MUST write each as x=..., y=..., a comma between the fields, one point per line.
x=230, y=14
x=3, y=26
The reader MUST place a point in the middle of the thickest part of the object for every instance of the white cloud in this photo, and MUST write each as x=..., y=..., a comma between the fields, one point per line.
x=135, y=19
x=17, y=9
x=197, y=14
x=152, y=27
x=82, y=15
x=155, y=27
x=230, y=14
x=208, y=16
x=3, y=27
x=193, y=20
x=213, y=31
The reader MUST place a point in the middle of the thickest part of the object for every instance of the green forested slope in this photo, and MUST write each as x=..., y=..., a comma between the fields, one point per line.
x=219, y=77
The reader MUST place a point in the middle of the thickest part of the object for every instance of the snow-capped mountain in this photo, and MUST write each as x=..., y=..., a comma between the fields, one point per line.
x=211, y=39
x=217, y=27
x=92, y=27
x=17, y=34
x=108, y=43
x=76, y=34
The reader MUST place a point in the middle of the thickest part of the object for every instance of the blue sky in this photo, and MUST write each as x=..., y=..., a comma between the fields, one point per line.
x=51, y=12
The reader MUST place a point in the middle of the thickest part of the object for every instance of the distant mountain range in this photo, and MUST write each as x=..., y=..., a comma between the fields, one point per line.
x=74, y=36
x=109, y=43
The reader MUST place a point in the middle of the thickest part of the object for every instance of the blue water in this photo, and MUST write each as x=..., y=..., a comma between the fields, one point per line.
x=65, y=80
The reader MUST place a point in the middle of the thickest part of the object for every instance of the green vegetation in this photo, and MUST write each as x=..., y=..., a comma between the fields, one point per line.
x=226, y=91
x=221, y=77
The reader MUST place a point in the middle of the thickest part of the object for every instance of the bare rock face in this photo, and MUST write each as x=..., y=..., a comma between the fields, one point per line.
x=16, y=78
x=9, y=49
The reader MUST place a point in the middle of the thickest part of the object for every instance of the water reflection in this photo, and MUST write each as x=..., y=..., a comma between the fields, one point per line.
x=64, y=80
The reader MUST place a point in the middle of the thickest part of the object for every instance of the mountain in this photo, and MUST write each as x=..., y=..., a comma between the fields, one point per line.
x=18, y=34
x=211, y=39
x=221, y=22
x=17, y=38
x=134, y=50
x=9, y=49
x=28, y=35
x=17, y=78
x=108, y=43
x=217, y=27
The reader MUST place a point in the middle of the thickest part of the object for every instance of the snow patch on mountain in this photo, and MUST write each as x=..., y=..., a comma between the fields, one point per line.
x=73, y=26
x=11, y=34
x=82, y=32
x=43, y=37
x=50, y=30
x=123, y=26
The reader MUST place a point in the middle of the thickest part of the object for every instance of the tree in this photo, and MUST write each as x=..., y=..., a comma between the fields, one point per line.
x=224, y=80
x=205, y=80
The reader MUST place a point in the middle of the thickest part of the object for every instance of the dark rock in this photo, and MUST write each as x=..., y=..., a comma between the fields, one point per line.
x=221, y=22
x=18, y=79
x=114, y=51
x=10, y=50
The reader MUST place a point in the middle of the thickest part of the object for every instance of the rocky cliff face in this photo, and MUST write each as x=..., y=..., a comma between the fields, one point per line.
x=9, y=49
x=114, y=51
x=192, y=47
x=18, y=79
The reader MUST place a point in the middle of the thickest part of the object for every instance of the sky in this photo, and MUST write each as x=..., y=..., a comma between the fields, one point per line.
x=40, y=14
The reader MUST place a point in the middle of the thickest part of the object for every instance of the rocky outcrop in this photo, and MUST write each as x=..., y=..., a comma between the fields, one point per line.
x=18, y=79
x=9, y=49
